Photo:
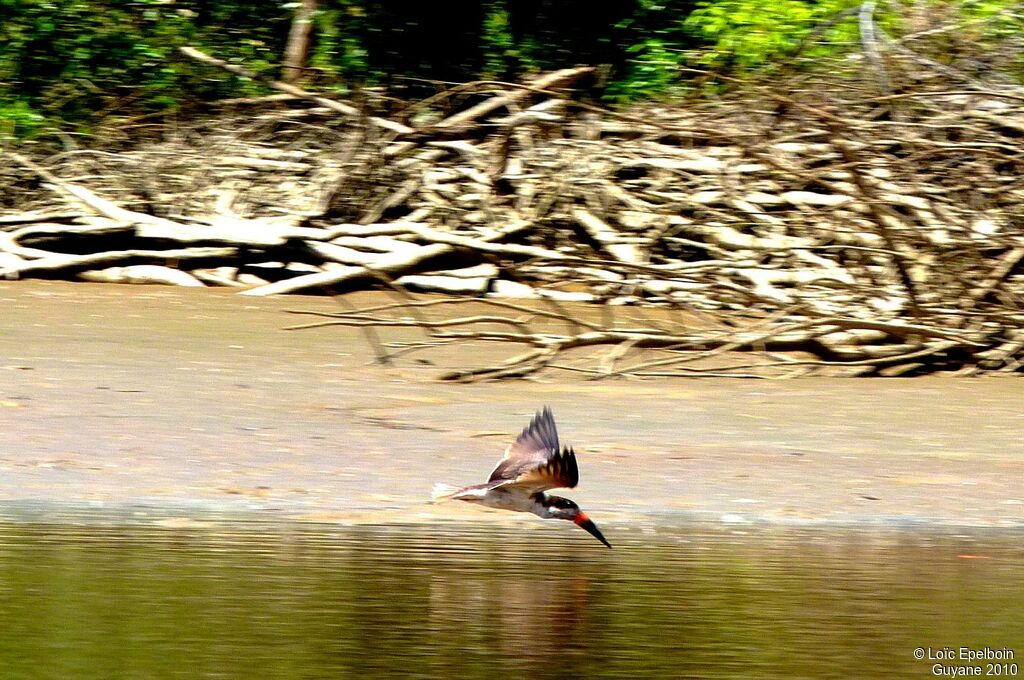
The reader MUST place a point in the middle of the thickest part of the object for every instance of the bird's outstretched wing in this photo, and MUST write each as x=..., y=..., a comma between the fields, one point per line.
x=534, y=461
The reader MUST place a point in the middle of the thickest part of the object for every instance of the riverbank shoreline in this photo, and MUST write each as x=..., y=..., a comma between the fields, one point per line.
x=192, y=401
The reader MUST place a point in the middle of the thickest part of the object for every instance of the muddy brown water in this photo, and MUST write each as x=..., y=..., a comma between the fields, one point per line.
x=186, y=490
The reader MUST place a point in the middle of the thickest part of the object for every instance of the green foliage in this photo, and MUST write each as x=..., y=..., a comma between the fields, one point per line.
x=73, y=61
x=746, y=34
x=69, y=59
x=337, y=48
x=991, y=21
x=653, y=60
x=18, y=119
x=743, y=36
x=500, y=50
x=1004, y=17
x=653, y=71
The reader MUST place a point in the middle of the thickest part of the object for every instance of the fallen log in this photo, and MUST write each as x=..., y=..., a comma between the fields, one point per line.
x=548, y=81
x=391, y=265
x=608, y=239
x=74, y=263
x=142, y=274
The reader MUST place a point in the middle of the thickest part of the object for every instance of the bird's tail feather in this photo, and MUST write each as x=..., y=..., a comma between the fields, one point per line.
x=442, y=492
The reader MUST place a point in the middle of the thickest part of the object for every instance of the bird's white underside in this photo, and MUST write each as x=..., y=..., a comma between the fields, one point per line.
x=500, y=498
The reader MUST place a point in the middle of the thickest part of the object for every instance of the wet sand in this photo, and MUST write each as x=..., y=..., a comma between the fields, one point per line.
x=184, y=403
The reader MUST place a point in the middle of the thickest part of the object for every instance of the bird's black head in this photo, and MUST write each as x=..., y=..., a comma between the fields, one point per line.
x=563, y=508
x=562, y=505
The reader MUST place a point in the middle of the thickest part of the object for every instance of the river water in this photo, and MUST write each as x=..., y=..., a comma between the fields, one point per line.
x=471, y=601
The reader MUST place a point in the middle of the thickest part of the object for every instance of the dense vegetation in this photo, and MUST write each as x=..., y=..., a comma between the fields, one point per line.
x=74, y=61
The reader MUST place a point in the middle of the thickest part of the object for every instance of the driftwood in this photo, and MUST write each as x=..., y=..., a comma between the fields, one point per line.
x=292, y=90
x=873, y=226
x=690, y=348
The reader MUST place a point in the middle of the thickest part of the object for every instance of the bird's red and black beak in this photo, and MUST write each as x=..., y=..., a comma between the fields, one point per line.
x=584, y=522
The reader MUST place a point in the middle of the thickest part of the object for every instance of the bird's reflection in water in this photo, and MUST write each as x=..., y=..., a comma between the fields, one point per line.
x=535, y=618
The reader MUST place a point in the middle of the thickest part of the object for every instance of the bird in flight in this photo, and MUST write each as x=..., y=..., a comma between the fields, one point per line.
x=532, y=465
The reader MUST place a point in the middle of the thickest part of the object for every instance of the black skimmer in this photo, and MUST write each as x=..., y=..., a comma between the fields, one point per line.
x=533, y=464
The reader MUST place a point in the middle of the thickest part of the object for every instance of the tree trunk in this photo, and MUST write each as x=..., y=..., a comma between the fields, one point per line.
x=298, y=42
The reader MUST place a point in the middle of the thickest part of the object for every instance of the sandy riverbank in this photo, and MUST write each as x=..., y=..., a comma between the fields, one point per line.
x=195, y=400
